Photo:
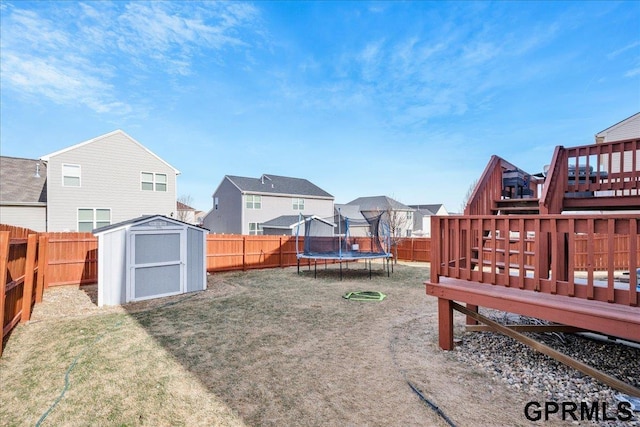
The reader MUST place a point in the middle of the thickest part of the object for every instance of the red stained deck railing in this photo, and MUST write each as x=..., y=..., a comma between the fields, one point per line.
x=533, y=252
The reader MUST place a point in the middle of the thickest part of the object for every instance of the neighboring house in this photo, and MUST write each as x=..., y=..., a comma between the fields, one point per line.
x=241, y=205
x=358, y=224
x=186, y=213
x=291, y=225
x=628, y=128
x=422, y=218
x=106, y=180
x=398, y=216
x=23, y=193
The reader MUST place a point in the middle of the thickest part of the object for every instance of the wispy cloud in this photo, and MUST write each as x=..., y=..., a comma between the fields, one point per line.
x=76, y=52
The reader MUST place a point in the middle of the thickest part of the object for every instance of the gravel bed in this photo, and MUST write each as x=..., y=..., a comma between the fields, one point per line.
x=527, y=371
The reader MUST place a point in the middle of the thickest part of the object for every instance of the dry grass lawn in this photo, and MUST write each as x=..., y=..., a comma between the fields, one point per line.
x=258, y=348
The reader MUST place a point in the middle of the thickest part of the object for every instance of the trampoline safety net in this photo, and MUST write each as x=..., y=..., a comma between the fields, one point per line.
x=321, y=242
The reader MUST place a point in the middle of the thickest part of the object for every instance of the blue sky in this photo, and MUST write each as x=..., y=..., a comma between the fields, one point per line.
x=404, y=99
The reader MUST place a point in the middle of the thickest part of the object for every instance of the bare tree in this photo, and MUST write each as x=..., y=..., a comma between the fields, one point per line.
x=467, y=196
x=185, y=215
x=397, y=221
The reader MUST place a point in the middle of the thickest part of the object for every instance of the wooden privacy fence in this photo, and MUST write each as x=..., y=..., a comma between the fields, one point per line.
x=72, y=258
x=21, y=285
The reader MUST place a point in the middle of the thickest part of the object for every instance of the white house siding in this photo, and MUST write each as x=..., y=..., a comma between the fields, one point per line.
x=31, y=217
x=627, y=129
x=226, y=216
x=110, y=169
x=275, y=206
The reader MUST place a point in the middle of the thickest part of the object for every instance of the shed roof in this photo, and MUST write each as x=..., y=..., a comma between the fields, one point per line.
x=19, y=182
x=142, y=219
x=275, y=184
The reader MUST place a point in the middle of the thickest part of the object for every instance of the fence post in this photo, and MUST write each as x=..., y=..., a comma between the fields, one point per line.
x=27, y=290
x=280, y=252
x=42, y=266
x=244, y=253
x=4, y=256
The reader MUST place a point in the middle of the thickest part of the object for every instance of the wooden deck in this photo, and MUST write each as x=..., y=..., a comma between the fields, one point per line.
x=526, y=265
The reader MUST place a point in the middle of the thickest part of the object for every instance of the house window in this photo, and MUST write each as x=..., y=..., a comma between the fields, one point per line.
x=71, y=175
x=153, y=181
x=409, y=216
x=253, y=202
x=408, y=233
x=90, y=218
x=255, y=229
x=298, y=204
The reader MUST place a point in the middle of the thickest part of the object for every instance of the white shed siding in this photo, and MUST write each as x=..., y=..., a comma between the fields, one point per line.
x=31, y=217
x=112, y=277
x=111, y=170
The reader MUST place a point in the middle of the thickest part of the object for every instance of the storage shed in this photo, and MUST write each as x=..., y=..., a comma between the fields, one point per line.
x=149, y=257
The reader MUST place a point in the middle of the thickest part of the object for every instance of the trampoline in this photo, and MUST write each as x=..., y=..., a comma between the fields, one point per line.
x=321, y=242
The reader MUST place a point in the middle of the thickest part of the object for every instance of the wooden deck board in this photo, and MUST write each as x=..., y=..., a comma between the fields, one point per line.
x=610, y=319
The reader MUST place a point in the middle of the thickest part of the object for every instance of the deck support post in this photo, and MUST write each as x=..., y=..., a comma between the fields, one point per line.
x=471, y=320
x=445, y=324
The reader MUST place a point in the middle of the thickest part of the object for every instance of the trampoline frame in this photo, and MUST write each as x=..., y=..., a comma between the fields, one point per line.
x=341, y=256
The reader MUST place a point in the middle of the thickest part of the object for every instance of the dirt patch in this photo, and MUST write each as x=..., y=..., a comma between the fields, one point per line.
x=268, y=347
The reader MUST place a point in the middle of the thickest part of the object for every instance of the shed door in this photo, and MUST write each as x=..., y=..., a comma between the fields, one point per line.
x=156, y=264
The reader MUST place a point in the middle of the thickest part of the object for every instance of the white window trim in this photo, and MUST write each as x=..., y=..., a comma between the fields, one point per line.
x=253, y=201
x=258, y=231
x=154, y=182
x=79, y=175
x=297, y=202
x=94, y=222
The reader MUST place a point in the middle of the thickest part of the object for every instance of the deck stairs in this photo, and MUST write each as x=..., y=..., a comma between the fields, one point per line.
x=516, y=207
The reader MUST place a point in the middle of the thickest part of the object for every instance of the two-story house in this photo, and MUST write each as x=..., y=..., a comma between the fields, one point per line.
x=422, y=218
x=23, y=193
x=399, y=217
x=241, y=205
x=105, y=180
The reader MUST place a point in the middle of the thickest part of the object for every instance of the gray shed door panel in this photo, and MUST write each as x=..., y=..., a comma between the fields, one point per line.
x=156, y=264
x=154, y=248
x=159, y=280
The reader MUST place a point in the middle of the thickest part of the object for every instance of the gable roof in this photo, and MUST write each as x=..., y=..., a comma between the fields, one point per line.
x=275, y=184
x=631, y=123
x=107, y=135
x=19, y=183
x=427, y=209
x=291, y=221
x=379, y=203
x=352, y=212
x=141, y=219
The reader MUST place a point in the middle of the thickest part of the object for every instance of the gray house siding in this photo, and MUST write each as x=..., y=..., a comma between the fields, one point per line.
x=31, y=217
x=274, y=206
x=110, y=178
x=226, y=215
x=230, y=214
